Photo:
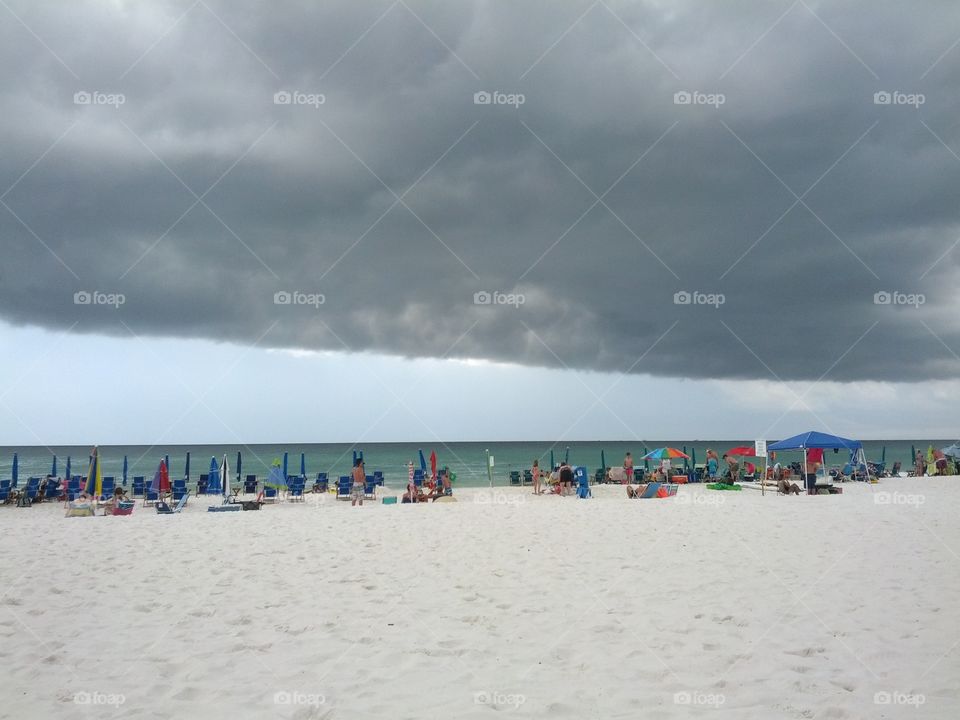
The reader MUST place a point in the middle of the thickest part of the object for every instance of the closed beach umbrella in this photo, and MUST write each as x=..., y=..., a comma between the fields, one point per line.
x=124, y=470
x=646, y=460
x=225, y=477
x=239, y=465
x=603, y=461
x=693, y=461
x=303, y=465
x=566, y=456
x=16, y=468
x=551, y=460
x=433, y=464
x=285, y=467
x=53, y=470
x=161, y=479
x=212, y=474
x=423, y=463
x=166, y=461
x=68, y=468
x=95, y=475
x=186, y=470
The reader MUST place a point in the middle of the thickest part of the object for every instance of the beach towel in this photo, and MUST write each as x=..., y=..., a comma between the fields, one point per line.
x=723, y=486
x=80, y=510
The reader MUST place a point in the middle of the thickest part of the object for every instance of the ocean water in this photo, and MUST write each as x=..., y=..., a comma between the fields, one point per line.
x=466, y=459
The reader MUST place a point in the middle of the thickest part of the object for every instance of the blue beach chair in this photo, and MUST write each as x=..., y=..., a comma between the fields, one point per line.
x=138, y=485
x=344, y=485
x=164, y=509
x=583, y=483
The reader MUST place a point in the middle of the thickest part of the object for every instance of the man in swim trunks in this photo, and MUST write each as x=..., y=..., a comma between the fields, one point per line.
x=359, y=480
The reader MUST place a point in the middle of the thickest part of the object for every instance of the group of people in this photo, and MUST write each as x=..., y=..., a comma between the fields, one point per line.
x=435, y=489
x=561, y=478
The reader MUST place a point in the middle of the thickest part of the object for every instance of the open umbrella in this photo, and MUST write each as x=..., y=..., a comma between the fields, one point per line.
x=952, y=450
x=124, y=470
x=433, y=464
x=743, y=451
x=665, y=453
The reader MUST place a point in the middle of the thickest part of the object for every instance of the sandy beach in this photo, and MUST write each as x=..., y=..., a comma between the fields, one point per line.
x=501, y=604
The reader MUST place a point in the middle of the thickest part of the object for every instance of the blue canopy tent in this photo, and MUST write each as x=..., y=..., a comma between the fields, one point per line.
x=813, y=440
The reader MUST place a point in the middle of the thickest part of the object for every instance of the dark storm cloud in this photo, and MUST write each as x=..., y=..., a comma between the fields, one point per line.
x=397, y=197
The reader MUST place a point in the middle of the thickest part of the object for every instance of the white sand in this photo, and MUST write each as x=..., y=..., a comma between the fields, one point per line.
x=767, y=607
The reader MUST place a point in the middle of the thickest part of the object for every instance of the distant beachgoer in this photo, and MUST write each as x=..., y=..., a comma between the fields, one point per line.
x=566, y=478
x=713, y=464
x=628, y=468
x=733, y=469
x=359, y=480
x=918, y=464
x=638, y=491
x=811, y=479
x=410, y=471
x=785, y=487
x=535, y=472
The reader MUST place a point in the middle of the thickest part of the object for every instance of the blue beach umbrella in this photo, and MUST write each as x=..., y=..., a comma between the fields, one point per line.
x=303, y=465
x=53, y=470
x=16, y=469
x=285, y=467
x=186, y=469
x=423, y=462
x=124, y=470
x=239, y=465
x=212, y=476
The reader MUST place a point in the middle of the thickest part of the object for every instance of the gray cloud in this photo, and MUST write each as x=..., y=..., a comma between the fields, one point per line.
x=494, y=197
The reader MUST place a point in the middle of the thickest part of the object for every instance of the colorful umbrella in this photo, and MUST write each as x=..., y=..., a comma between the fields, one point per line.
x=743, y=451
x=94, y=475
x=664, y=453
x=433, y=464
x=161, y=479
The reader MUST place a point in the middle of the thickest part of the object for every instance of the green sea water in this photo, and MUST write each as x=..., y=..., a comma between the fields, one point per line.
x=466, y=459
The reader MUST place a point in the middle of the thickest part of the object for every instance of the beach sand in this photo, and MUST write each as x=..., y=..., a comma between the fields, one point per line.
x=721, y=605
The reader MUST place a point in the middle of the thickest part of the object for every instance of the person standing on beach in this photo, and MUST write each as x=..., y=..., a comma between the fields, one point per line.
x=535, y=472
x=359, y=480
x=628, y=469
x=918, y=464
x=713, y=464
x=566, y=478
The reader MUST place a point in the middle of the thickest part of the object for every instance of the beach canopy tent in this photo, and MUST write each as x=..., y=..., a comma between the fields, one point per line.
x=951, y=451
x=818, y=441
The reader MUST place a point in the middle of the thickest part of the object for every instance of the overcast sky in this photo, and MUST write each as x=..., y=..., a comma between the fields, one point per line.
x=524, y=220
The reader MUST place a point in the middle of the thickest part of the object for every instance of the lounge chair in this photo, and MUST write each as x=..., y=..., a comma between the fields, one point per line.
x=5, y=490
x=179, y=490
x=138, y=485
x=164, y=509
x=344, y=486
x=527, y=477
x=370, y=488
x=150, y=497
x=269, y=494
x=250, y=485
x=107, y=487
x=295, y=487
x=321, y=484
x=583, y=486
x=514, y=477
